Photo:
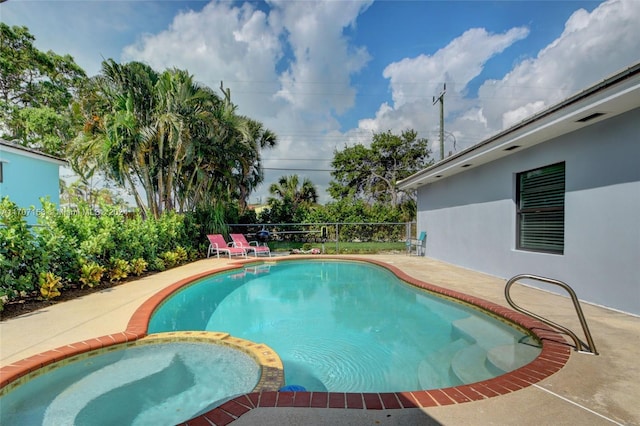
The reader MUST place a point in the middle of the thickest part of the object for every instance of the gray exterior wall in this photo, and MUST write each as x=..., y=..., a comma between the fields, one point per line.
x=471, y=217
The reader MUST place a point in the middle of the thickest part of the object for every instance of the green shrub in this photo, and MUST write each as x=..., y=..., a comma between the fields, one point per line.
x=118, y=269
x=91, y=274
x=193, y=253
x=181, y=254
x=158, y=265
x=49, y=285
x=138, y=266
x=170, y=259
x=21, y=258
x=61, y=250
x=207, y=219
x=81, y=245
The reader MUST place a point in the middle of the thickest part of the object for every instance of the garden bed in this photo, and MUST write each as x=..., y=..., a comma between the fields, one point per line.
x=34, y=301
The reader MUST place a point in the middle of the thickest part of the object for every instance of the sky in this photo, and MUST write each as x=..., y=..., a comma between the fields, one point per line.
x=324, y=75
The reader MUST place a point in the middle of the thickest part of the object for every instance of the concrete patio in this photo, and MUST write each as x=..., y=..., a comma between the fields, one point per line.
x=593, y=390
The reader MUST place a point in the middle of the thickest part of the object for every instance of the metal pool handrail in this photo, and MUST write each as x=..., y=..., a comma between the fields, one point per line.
x=588, y=347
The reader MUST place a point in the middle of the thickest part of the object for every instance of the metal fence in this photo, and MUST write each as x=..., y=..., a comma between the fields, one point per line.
x=333, y=234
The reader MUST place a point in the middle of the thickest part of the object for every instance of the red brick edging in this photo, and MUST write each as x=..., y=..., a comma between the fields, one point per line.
x=554, y=355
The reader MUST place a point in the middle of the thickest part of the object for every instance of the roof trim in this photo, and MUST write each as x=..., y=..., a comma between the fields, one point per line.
x=545, y=120
x=29, y=152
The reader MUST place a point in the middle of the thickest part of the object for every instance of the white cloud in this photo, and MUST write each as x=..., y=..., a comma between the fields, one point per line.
x=521, y=113
x=290, y=65
x=460, y=62
x=324, y=60
x=222, y=42
x=413, y=82
x=244, y=47
x=591, y=47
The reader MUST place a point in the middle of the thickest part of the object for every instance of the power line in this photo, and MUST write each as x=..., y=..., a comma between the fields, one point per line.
x=386, y=83
x=409, y=89
x=297, y=159
x=297, y=170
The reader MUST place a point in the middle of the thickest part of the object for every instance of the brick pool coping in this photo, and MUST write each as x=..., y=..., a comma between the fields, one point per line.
x=554, y=355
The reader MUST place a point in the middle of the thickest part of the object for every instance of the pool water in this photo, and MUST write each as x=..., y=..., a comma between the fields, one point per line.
x=160, y=383
x=350, y=327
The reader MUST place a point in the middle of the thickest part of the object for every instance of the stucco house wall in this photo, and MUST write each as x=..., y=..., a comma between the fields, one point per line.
x=28, y=175
x=471, y=217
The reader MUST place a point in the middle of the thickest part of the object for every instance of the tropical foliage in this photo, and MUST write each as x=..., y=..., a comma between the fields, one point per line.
x=290, y=200
x=371, y=173
x=186, y=156
x=179, y=141
x=365, y=220
x=21, y=257
x=91, y=274
x=37, y=92
x=82, y=247
x=49, y=285
x=170, y=142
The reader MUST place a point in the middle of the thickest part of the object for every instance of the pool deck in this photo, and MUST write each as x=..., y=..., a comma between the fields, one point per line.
x=593, y=390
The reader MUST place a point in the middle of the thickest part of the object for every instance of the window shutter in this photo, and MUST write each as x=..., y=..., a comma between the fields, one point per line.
x=541, y=209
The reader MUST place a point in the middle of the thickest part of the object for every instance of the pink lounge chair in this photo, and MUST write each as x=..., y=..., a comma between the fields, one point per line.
x=240, y=241
x=217, y=245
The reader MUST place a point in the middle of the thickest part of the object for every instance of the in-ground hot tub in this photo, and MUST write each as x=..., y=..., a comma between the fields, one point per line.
x=164, y=378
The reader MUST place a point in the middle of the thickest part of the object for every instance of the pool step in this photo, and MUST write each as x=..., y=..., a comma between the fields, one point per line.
x=510, y=357
x=431, y=368
x=475, y=363
x=470, y=365
x=479, y=351
x=482, y=332
x=495, y=350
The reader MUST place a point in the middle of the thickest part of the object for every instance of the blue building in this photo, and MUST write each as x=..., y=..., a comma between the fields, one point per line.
x=26, y=175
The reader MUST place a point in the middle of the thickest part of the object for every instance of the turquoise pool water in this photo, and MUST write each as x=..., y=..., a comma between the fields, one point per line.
x=154, y=384
x=349, y=326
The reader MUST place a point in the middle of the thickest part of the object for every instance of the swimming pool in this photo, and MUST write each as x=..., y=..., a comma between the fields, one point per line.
x=165, y=378
x=350, y=326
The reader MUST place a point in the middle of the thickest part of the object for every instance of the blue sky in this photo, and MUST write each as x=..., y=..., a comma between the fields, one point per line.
x=325, y=74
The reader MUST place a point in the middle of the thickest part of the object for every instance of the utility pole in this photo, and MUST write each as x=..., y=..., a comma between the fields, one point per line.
x=440, y=99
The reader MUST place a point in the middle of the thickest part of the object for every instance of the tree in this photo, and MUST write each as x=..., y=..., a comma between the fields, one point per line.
x=291, y=200
x=178, y=140
x=227, y=161
x=116, y=107
x=371, y=173
x=288, y=187
x=78, y=192
x=248, y=167
x=37, y=92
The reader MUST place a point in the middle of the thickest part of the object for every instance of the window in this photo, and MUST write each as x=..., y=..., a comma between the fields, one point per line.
x=540, y=209
x=1, y=163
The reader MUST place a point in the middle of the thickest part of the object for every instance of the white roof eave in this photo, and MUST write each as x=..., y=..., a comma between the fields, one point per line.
x=604, y=98
x=27, y=152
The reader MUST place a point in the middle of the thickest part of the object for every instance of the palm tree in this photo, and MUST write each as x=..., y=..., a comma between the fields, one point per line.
x=218, y=141
x=117, y=105
x=178, y=140
x=290, y=201
x=288, y=188
x=249, y=166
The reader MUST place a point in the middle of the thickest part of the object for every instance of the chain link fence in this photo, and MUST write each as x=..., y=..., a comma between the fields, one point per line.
x=336, y=237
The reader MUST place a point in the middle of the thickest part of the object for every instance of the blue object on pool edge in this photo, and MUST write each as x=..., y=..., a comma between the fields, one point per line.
x=292, y=388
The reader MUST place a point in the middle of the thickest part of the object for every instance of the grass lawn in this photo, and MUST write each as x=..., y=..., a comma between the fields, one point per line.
x=342, y=247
